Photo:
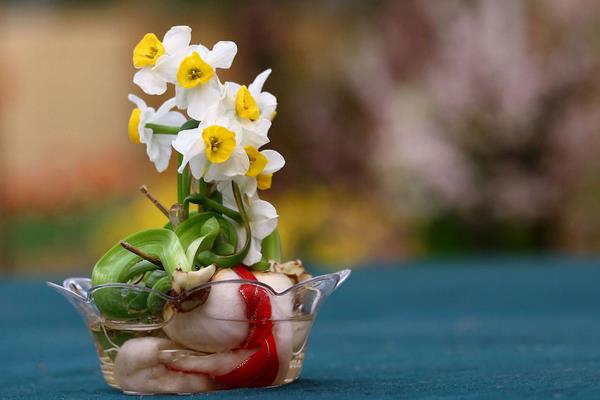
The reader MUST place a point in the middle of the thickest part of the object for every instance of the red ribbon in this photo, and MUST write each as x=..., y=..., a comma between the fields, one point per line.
x=260, y=369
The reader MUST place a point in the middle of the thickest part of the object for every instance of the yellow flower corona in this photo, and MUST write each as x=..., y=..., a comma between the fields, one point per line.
x=220, y=143
x=147, y=51
x=194, y=71
x=258, y=162
x=264, y=181
x=134, y=121
x=245, y=105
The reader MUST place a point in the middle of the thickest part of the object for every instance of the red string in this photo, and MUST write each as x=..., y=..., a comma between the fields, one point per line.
x=260, y=369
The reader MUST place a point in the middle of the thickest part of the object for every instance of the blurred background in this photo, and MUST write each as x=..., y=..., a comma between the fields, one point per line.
x=410, y=128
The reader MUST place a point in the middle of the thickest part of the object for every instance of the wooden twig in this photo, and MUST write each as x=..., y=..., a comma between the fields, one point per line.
x=154, y=200
x=136, y=251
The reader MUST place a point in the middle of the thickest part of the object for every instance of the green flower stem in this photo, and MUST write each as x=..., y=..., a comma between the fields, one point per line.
x=164, y=129
x=202, y=191
x=186, y=182
x=202, y=188
x=208, y=257
x=180, y=195
x=220, y=208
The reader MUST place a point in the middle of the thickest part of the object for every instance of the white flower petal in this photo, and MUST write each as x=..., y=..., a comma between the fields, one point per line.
x=221, y=55
x=261, y=210
x=254, y=139
x=267, y=103
x=150, y=82
x=145, y=135
x=255, y=133
x=189, y=144
x=164, y=140
x=153, y=149
x=181, y=97
x=238, y=163
x=266, y=99
x=256, y=87
x=165, y=117
x=276, y=161
x=166, y=106
x=201, y=98
x=198, y=166
x=163, y=143
x=214, y=173
x=262, y=126
x=231, y=89
x=186, y=141
x=254, y=253
x=225, y=188
x=226, y=120
x=162, y=163
x=217, y=114
x=247, y=184
x=172, y=118
x=167, y=65
x=139, y=103
x=263, y=218
x=236, y=128
x=202, y=50
x=177, y=38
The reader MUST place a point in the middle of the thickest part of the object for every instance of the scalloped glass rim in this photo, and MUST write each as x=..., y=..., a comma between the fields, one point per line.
x=79, y=289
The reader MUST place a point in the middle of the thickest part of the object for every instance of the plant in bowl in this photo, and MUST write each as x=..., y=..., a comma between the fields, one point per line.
x=204, y=302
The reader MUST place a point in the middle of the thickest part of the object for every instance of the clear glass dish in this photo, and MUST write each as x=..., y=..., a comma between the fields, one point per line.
x=219, y=335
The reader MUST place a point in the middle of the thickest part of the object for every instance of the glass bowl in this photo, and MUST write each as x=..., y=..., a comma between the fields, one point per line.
x=219, y=335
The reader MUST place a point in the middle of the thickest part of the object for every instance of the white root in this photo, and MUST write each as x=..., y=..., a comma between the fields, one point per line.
x=279, y=283
x=219, y=325
x=183, y=281
x=138, y=369
x=211, y=364
x=281, y=308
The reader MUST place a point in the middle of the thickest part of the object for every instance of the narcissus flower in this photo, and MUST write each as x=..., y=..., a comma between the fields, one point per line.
x=233, y=124
x=158, y=146
x=251, y=103
x=263, y=221
x=263, y=164
x=212, y=150
x=258, y=162
x=252, y=108
x=151, y=56
x=274, y=164
x=198, y=88
x=265, y=161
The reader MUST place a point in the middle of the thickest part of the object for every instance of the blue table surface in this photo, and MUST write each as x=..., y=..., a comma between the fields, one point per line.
x=492, y=329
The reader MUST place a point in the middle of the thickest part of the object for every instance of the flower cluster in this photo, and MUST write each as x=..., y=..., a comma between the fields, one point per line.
x=221, y=142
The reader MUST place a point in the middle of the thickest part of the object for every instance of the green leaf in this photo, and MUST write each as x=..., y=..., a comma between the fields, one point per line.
x=271, y=247
x=155, y=303
x=262, y=265
x=117, y=265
